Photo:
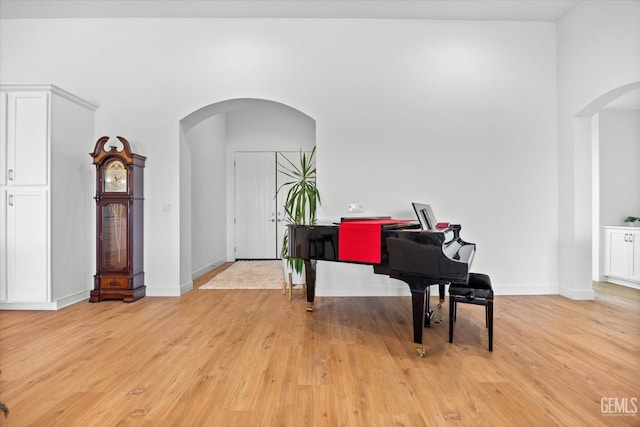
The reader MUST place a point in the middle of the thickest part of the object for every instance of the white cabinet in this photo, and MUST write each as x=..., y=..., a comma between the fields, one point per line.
x=27, y=137
x=46, y=185
x=27, y=259
x=622, y=255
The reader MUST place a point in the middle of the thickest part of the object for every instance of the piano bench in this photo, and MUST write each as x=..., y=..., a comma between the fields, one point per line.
x=479, y=292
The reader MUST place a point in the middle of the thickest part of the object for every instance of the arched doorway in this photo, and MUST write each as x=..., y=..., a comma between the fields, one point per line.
x=210, y=137
x=592, y=119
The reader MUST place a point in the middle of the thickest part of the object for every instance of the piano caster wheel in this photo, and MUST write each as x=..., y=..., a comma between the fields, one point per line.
x=309, y=307
x=440, y=303
x=421, y=351
x=438, y=319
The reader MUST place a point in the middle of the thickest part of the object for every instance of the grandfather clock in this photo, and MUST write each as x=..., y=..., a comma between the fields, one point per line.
x=119, y=197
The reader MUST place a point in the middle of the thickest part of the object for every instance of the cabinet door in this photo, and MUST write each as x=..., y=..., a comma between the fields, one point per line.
x=635, y=256
x=3, y=141
x=27, y=244
x=27, y=138
x=3, y=245
x=617, y=261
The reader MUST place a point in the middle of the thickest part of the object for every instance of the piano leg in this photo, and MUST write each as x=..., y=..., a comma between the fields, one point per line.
x=420, y=291
x=428, y=313
x=418, y=297
x=441, y=295
x=310, y=272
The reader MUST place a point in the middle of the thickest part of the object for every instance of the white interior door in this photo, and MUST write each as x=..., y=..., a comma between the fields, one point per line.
x=260, y=223
x=255, y=205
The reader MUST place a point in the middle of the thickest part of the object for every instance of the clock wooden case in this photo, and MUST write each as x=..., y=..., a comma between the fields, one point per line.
x=119, y=231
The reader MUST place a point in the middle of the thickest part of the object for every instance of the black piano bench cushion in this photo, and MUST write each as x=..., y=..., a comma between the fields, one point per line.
x=479, y=286
x=478, y=281
x=478, y=291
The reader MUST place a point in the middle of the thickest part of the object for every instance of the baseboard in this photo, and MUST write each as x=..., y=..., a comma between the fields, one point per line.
x=578, y=294
x=205, y=270
x=48, y=306
x=525, y=290
x=73, y=298
x=403, y=290
x=369, y=291
x=168, y=291
x=186, y=287
x=622, y=282
x=28, y=306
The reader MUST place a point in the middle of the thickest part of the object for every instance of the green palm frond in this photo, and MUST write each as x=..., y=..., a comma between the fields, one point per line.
x=302, y=197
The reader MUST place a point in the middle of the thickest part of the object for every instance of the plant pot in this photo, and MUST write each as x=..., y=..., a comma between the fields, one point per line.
x=296, y=278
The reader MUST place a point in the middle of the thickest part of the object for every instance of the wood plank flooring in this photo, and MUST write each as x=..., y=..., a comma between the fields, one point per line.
x=254, y=358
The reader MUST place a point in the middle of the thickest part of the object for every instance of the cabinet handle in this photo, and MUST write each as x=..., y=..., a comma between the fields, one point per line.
x=10, y=174
x=626, y=237
x=10, y=199
x=630, y=238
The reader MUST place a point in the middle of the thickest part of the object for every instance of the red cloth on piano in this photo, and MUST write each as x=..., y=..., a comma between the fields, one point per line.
x=359, y=240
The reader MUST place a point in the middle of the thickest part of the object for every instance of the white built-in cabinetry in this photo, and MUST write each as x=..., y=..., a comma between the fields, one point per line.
x=46, y=189
x=622, y=255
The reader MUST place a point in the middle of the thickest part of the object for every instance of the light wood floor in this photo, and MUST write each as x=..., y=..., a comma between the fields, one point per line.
x=254, y=358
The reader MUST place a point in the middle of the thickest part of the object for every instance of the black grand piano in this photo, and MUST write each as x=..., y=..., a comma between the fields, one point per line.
x=419, y=257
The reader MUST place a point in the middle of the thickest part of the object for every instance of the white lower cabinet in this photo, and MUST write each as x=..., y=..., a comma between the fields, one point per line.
x=622, y=255
x=27, y=246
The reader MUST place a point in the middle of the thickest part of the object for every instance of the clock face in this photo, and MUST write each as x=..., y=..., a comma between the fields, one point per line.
x=115, y=177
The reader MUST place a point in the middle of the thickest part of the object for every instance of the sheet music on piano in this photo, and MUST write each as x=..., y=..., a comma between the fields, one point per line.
x=427, y=218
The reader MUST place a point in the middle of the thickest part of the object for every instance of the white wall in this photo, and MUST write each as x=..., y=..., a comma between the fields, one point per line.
x=458, y=114
x=73, y=262
x=207, y=143
x=269, y=128
x=598, y=45
x=619, y=165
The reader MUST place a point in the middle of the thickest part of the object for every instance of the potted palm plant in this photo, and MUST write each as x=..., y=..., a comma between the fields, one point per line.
x=301, y=201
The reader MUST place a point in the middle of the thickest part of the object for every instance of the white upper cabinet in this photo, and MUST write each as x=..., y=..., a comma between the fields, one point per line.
x=27, y=138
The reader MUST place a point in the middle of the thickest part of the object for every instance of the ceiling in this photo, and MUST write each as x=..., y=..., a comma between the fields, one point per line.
x=511, y=10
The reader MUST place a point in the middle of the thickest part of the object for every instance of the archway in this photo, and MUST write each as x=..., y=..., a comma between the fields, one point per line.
x=209, y=137
x=588, y=121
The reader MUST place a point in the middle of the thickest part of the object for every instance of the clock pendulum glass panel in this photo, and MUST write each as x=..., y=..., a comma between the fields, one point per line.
x=114, y=236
